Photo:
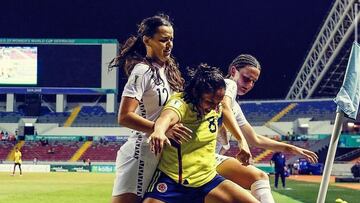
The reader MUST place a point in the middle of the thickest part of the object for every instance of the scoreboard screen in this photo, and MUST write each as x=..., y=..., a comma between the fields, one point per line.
x=18, y=65
x=50, y=65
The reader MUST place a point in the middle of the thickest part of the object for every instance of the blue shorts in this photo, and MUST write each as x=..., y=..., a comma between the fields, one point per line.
x=167, y=190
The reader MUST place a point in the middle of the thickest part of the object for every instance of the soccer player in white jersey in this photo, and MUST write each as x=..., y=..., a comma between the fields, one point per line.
x=244, y=71
x=152, y=77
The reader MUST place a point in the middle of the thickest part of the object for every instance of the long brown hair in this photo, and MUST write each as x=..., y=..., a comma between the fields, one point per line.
x=133, y=51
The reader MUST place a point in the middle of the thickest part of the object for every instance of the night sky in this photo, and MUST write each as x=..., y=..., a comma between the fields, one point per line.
x=278, y=33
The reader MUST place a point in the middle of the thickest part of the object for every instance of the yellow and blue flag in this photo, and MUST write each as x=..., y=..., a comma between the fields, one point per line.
x=348, y=98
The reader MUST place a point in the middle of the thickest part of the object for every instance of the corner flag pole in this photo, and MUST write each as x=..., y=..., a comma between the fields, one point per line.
x=347, y=101
x=356, y=20
x=330, y=157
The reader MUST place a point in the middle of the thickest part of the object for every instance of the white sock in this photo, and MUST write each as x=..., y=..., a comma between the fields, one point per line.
x=261, y=191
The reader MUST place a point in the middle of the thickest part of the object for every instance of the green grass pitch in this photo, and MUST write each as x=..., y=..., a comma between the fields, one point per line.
x=307, y=192
x=96, y=188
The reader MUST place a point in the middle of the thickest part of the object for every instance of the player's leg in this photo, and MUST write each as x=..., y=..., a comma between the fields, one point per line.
x=20, y=169
x=248, y=177
x=126, y=197
x=135, y=165
x=124, y=190
x=261, y=190
x=13, y=173
x=152, y=200
x=244, y=176
x=229, y=192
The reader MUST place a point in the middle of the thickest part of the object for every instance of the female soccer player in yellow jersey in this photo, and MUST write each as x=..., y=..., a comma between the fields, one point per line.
x=187, y=171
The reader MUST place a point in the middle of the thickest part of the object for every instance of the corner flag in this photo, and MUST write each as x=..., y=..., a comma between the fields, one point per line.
x=348, y=97
x=347, y=101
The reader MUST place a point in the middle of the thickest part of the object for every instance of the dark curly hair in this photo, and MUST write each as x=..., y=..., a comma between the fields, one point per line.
x=204, y=79
x=133, y=51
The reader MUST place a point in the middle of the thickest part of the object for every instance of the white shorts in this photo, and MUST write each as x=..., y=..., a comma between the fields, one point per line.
x=220, y=158
x=135, y=166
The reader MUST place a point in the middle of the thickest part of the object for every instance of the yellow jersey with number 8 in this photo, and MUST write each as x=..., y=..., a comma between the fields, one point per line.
x=192, y=163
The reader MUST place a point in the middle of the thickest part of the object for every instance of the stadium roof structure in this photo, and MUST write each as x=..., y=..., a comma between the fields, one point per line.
x=323, y=70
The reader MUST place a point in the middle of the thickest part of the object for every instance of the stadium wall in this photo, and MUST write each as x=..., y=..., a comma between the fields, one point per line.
x=342, y=169
x=320, y=127
x=54, y=129
x=263, y=130
x=25, y=168
x=89, y=131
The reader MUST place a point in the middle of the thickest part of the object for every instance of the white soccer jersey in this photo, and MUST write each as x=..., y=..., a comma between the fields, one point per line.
x=239, y=115
x=231, y=91
x=135, y=163
x=141, y=86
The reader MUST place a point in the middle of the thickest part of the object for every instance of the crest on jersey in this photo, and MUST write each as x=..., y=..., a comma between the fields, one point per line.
x=175, y=103
x=161, y=187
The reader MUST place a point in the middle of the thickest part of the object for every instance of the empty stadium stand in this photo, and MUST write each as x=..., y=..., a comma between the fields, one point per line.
x=105, y=151
x=257, y=113
x=53, y=151
x=95, y=116
x=5, y=149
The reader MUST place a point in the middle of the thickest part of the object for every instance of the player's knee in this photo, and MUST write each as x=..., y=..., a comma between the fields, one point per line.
x=261, y=175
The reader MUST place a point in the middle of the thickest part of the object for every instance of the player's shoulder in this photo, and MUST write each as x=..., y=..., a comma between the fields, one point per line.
x=229, y=83
x=178, y=95
x=140, y=68
x=176, y=100
x=231, y=88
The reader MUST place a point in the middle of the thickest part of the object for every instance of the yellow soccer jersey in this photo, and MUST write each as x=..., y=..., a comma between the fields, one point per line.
x=17, y=157
x=192, y=163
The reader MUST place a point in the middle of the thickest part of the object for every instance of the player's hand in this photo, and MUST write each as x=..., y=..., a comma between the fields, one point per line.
x=157, y=141
x=179, y=133
x=244, y=156
x=311, y=156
